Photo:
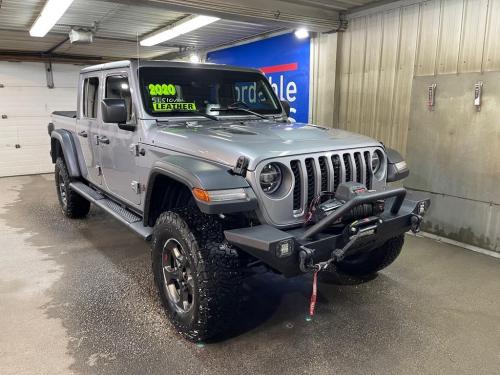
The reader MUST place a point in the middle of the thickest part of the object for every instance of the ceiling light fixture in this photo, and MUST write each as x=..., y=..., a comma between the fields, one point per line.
x=48, y=17
x=184, y=26
x=301, y=33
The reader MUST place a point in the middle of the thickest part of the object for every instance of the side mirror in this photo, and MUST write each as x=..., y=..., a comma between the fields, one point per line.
x=286, y=106
x=114, y=111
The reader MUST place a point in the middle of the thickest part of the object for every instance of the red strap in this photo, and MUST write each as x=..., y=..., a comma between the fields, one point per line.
x=314, y=294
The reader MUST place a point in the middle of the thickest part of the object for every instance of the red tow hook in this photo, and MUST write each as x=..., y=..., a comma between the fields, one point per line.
x=314, y=294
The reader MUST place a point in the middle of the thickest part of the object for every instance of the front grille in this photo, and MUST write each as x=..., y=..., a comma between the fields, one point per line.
x=295, y=166
x=368, y=168
x=347, y=166
x=311, y=183
x=359, y=171
x=336, y=171
x=323, y=168
x=320, y=175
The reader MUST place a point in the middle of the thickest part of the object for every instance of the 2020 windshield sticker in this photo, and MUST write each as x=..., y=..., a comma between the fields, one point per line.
x=164, y=99
x=161, y=89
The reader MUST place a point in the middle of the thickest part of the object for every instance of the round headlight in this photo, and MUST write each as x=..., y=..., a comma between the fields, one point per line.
x=270, y=178
x=376, y=161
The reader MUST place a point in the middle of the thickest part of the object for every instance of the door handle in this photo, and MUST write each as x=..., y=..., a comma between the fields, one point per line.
x=104, y=140
x=83, y=134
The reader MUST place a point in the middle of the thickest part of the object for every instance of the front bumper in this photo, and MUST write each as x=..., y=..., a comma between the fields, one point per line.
x=266, y=243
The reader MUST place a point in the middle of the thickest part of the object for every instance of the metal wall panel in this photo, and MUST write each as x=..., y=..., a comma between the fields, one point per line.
x=404, y=75
x=323, y=68
x=491, y=59
x=385, y=95
x=450, y=35
x=371, y=74
x=345, y=61
x=381, y=52
x=429, y=29
x=473, y=36
x=355, y=88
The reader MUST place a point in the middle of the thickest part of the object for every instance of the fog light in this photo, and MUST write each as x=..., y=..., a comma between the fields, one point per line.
x=285, y=248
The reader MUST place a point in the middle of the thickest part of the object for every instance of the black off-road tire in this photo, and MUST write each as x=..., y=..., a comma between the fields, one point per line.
x=367, y=264
x=72, y=204
x=215, y=268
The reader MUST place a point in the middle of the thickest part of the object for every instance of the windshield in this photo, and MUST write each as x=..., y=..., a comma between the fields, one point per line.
x=187, y=91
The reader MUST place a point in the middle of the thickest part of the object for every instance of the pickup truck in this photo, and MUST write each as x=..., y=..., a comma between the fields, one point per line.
x=204, y=161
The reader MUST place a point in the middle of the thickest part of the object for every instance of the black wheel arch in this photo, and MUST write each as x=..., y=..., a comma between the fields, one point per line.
x=178, y=175
x=63, y=145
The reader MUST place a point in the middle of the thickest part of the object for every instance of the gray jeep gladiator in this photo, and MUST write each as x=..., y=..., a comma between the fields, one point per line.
x=204, y=161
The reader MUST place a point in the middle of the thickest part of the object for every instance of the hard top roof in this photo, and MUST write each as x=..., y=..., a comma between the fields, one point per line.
x=135, y=63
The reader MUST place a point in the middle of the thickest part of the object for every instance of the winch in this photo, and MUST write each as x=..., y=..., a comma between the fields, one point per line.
x=345, y=192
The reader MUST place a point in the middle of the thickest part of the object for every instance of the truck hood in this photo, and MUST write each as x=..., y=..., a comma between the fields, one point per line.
x=225, y=141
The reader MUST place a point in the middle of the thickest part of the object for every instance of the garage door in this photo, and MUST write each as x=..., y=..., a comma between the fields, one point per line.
x=25, y=106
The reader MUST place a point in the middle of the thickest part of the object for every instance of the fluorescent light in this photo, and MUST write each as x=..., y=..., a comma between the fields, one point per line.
x=48, y=17
x=184, y=26
x=194, y=58
x=301, y=33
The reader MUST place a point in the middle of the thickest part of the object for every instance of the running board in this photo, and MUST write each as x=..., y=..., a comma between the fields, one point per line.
x=127, y=217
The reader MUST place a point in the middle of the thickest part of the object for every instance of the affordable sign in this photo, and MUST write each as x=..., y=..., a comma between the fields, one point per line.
x=284, y=60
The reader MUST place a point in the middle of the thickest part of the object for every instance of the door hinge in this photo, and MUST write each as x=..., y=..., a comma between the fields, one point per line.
x=136, y=150
x=99, y=170
x=136, y=187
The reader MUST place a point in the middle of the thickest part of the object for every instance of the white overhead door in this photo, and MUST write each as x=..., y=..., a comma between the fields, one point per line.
x=25, y=107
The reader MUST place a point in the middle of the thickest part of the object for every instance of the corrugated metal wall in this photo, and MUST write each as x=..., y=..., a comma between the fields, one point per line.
x=323, y=79
x=409, y=44
x=380, y=53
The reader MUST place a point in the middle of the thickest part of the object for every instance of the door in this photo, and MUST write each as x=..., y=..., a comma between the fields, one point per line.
x=87, y=127
x=118, y=146
x=26, y=104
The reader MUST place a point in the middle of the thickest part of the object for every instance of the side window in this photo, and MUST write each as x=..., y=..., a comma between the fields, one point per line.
x=117, y=87
x=90, y=97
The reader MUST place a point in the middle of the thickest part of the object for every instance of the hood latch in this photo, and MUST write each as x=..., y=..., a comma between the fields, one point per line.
x=241, y=166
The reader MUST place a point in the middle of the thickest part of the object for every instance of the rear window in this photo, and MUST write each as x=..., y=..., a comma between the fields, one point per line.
x=90, y=97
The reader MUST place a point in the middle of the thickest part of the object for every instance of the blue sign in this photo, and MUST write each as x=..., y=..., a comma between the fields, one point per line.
x=284, y=60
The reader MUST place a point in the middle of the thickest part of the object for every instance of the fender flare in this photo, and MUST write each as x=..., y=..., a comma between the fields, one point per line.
x=68, y=148
x=197, y=173
x=397, y=169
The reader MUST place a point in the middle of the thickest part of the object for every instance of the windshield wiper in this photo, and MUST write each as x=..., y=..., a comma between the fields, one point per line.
x=230, y=108
x=211, y=117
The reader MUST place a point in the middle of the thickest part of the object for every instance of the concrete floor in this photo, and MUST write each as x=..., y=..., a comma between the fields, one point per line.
x=77, y=296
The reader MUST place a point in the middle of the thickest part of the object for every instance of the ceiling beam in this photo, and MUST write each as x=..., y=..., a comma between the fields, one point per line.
x=55, y=58
x=204, y=51
x=281, y=13
x=56, y=46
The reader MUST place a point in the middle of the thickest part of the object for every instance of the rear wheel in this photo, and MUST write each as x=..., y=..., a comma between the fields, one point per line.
x=197, y=273
x=72, y=204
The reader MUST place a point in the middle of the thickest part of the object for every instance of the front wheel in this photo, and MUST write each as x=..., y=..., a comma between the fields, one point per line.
x=366, y=264
x=197, y=273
